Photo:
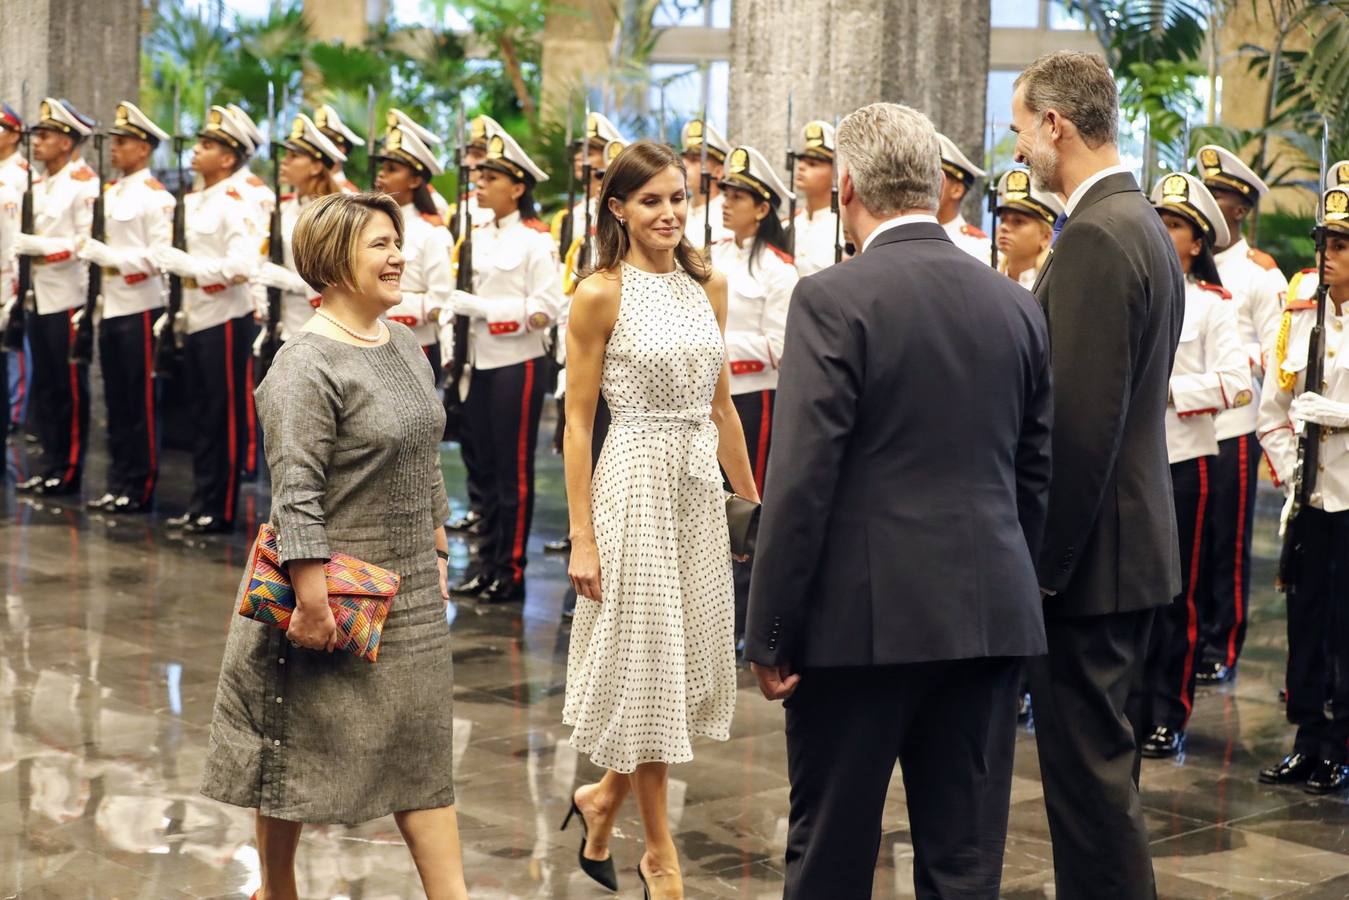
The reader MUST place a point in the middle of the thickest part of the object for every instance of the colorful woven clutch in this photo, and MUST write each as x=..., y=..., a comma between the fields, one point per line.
x=359, y=593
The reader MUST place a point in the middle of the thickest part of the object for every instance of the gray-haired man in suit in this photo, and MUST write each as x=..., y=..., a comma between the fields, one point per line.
x=894, y=591
x=1114, y=295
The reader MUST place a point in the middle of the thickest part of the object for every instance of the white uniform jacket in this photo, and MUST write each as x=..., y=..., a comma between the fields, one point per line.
x=515, y=284
x=63, y=212
x=1258, y=287
x=970, y=239
x=815, y=242
x=756, y=312
x=224, y=248
x=693, y=225
x=298, y=300
x=1210, y=373
x=13, y=184
x=138, y=216
x=428, y=278
x=1286, y=378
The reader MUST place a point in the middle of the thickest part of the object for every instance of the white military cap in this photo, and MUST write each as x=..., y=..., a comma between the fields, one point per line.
x=1221, y=168
x=957, y=164
x=600, y=131
x=330, y=123
x=131, y=122
x=401, y=120
x=748, y=170
x=818, y=139
x=611, y=151
x=692, y=140
x=1335, y=210
x=482, y=128
x=305, y=137
x=1185, y=195
x=505, y=155
x=1015, y=191
x=407, y=148
x=250, y=127
x=224, y=127
x=1338, y=174
x=53, y=115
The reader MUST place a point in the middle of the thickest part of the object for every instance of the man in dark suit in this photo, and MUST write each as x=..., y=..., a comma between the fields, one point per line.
x=1114, y=296
x=894, y=590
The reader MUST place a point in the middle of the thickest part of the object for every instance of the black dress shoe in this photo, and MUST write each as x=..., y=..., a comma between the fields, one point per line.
x=464, y=522
x=208, y=525
x=1327, y=778
x=182, y=521
x=125, y=506
x=30, y=485
x=103, y=503
x=58, y=487
x=503, y=590
x=1292, y=769
x=471, y=586
x=1214, y=673
x=562, y=545
x=1163, y=743
x=602, y=870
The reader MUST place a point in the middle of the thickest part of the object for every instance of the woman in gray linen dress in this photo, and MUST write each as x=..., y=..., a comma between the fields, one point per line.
x=353, y=424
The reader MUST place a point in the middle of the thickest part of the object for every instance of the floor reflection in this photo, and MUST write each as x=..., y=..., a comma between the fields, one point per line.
x=110, y=636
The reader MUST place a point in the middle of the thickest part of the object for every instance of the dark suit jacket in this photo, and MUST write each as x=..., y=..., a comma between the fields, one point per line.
x=906, y=484
x=1114, y=295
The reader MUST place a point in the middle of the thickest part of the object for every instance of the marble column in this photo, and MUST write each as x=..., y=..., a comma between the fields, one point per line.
x=343, y=21
x=577, y=46
x=837, y=55
x=88, y=53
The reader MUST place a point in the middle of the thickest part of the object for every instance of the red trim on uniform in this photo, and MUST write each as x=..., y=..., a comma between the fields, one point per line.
x=22, y=391
x=765, y=429
x=746, y=367
x=316, y=302
x=1237, y=595
x=233, y=423
x=1191, y=612
x=57, y=257
x=409, y=321
x=250, y=417
x=135, y=277
x=502, y=327
x=74, y=460
x=1199, y=412
x=521, y=470
x=213, y=288
x=149, y=405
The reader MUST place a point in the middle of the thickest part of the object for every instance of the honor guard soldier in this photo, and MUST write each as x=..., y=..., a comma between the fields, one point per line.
x=399, y=119
x=1210, y=374
x=816, y=224
x=220, y=258
x=760, y=278
x=343, y=138
x=13, y=185
x=1257, y=287
x=958, y=177
x=702, y=208
x=406, y=168
x=307, y=166
x=254, y=190
x=138, y=212
x=515, y=302
x=1025, y=226
x=63, y=202
x=1318, y=629
x=603, y=140
x=480, y=129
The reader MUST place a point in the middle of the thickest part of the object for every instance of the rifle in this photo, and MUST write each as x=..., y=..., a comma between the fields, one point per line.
x=705, y=178
x=276, y=253
x=791, y=179
x=1309, y=443
x=371, y=163
x=463, y=281
x=587, y=175
x=993, y=211
x=565, y=232
x=13, y=337
x=82, y=346
x=169, y=344
x=833, y=204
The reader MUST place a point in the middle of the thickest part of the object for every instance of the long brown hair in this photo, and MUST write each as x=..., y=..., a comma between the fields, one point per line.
x=637, y=164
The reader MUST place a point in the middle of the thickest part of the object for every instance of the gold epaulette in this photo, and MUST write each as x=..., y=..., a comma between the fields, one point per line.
x=569, y=267
x=454, y=257
x=555, y=229
x=1288, y=380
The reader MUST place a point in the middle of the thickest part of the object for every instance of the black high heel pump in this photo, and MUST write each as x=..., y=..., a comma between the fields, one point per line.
x=602, y=870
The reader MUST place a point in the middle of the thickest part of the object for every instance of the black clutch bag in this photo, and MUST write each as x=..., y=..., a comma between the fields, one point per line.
x=742, y=519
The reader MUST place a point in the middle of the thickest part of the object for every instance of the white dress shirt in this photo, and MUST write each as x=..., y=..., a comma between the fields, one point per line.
x=757, y=298
x=1086, y=185
x=895, y=223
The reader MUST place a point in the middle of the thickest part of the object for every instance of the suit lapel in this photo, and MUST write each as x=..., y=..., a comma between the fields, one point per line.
x=1035, y=288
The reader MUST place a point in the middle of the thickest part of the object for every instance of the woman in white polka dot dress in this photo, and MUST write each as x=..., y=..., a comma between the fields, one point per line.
x=652, y=660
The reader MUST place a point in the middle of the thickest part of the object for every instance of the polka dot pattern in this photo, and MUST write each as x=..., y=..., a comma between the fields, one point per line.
x=653, y=664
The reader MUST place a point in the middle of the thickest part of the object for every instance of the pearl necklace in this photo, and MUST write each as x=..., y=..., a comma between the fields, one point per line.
x=369, y=339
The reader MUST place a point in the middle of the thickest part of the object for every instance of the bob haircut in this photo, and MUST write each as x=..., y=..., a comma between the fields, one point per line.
x=325, y=237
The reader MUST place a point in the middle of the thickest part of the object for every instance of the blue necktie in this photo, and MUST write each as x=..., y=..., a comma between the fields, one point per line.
x=1058, y=226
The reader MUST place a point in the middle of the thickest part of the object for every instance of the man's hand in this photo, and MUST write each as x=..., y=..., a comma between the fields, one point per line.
x=776, y=682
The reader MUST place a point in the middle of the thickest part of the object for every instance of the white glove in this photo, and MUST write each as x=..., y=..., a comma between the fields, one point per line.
x=1287, y=509
x=465, y=304
x=174, y=261
x=258, y=342
x=98, y=253
x=445, y=333
x=160, y=324
x=78, y=317
x=5, y=312
x=37, y=245
x=1312, y=407
x=271, y=275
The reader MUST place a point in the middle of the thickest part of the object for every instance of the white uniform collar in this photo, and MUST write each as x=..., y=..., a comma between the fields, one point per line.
x=1087, y=185
x=1236, y=251
x=895, y=223
x=508, y=220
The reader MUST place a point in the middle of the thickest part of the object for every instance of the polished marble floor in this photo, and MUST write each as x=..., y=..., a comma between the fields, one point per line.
x=110, y=638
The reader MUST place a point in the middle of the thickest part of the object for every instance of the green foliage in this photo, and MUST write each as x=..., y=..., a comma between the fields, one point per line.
x=1286, y=235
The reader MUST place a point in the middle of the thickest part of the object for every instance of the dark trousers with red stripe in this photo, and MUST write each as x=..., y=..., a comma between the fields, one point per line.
x=1226, y=595
x=1318, y=636
x=1174, y=645
x=502, y=412
x=756, y=419
x=252, y=435
x=215, y=362
x=126, y=355
x=60, y=396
